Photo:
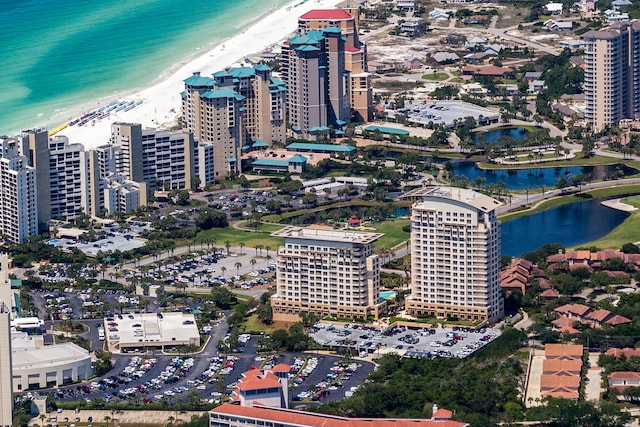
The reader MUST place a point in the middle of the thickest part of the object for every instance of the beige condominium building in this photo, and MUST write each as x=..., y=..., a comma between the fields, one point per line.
x=346, y=19
x=6, y=386
x=455, y=256
x=328, y=273
x=612, y=74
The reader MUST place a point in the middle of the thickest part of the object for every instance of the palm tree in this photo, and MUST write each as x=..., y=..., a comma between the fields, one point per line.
x=223, y=269
x=107, y=418
x=241, y=246
x=267, y=248
x=260, y=247
x=227, y=245
x=237, y=265
x=253, y=263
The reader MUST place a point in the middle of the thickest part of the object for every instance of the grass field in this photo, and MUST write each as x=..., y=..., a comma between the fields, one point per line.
x=249, y=238
x=438, y=77
x=627, y=232
x=393, y=234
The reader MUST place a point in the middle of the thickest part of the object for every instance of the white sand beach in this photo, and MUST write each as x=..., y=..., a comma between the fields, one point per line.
x=161, y=102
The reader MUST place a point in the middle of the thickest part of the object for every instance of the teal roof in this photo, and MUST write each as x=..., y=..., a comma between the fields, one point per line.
x=310, y=37
x=221, y=73
x=222, y=93
x=383, y=129
x=262, y=67
x=332, y=30
x=307, y=48
x=267, y=162
x=242, y=72
x=298, y=159
x=259, y=144
x=198, y=80
x=246, y=147
x=232, y=159
x=340, y=122
x=15, y=283
x=276, y=81
x=319, y=129
x=320, y=147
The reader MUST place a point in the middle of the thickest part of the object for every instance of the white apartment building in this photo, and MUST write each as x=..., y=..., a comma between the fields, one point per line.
x=455, y=256
x=6, y=384
x=18, y=194
x=167, y=158
x=68, y=179
x=123, y=195
x=326, y=272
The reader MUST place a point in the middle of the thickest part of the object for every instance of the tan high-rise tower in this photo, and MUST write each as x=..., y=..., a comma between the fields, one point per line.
x=6, y=377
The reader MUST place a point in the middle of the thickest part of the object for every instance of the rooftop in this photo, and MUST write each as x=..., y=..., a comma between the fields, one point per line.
x=325, y=14
x=49, y=355
x=292, y=232
x=472, y=198
x=320, y=147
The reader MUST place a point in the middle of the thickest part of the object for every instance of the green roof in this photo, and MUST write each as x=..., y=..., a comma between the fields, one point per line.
x=198, y=80
x=320, y=147
x=267, y=162
x=332, y=30
x=307, y=48
x=383, y=129
x=262, y=67
x=221, y=73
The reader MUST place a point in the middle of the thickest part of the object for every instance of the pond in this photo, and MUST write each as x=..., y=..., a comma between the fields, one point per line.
x=520, y=179
x=492, y=136
x=568, y=225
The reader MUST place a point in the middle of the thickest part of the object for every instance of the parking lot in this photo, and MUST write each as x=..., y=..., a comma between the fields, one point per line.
x=415, y=342
x=109, y=238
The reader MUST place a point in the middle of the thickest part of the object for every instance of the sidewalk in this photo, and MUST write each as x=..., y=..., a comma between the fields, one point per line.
x=118, y=417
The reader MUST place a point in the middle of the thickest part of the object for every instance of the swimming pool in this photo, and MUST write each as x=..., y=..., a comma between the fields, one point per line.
x=53, y=241
x=388, y=294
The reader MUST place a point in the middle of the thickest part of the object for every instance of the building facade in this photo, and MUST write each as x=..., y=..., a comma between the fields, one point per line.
x=68, y=179
x=6, y=384
x=327, y=273
x=18, y=194
x=455, y=256
x=612, y=74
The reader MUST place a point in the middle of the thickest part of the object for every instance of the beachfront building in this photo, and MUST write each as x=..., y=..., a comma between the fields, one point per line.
x=455, y=256
x=68, y=179
x=313, y=68
x=346, y=19
x=123, y=195
x=215, y=115
x=34, y=145
x=6, y=384
x=327, y=273
x=264, y=100
x=612, y=74
x=18, y=194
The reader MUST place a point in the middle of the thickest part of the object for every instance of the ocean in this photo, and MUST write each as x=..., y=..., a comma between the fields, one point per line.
x=61, y=54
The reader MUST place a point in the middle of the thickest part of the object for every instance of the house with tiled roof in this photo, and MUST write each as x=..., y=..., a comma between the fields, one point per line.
x=561, y=367
x=560, y=386
x=230, y=415
x=621, y=380
x=627, y=352
x=590, y=317
x=563, y=351
x=268, y=387
x=550, y=294
x=564, y=325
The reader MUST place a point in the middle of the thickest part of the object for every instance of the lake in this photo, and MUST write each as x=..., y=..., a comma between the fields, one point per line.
x=568, y=225
x=520, y=179
x=492, y=136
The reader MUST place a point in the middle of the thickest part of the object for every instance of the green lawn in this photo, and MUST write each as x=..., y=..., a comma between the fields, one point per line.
x=627, y=232
x=249, y=238
x=393, y=234
x=439, y=77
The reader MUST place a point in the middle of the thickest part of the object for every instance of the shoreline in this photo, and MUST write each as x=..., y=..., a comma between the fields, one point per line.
x=161, y=99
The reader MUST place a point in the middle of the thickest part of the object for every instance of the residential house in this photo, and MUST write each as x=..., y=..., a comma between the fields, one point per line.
x=442, y=58
x=477, y=57
x=559, y=386
x=553, y=25
x=573, y=44
x=554, y=8
x=494, y=48
x=411, y=63
x=489, y=70
x=621, y=380
x=561, y=371
x=439, y=14
x=617, y=4
x=475, y=19
x=561, y=367
x=532, y=75
x=412, y=26
x=475, y=42
x=406, y=5
x=536, y=86
x=627, y=352
x=563, y=351
x=614, y=16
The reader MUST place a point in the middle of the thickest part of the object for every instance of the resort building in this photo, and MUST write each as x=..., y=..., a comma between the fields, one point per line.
x=68, y=179
x=34, y=145
x=612, y=74
x=360, y=88
x=39, y=366
x=313, y=68
x=328, y=273
x=18, y=194
x=264, y=99
x=6, y=386
x=455, y=256
x=123, y=195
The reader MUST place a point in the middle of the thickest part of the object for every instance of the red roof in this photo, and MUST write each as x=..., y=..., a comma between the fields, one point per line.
x=301, y=418
x=625, y=375
x=281, y=367
x=442, y=414
x=348, y=48
x=324, y=14
x=627, y=352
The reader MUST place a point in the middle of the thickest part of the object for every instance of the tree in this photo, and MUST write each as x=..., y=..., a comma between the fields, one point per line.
x=253, y=262
x=223, y=269
x=182, y=197
x=630, y=248
x=211, y=218
x=237, y=265
x=223, y=298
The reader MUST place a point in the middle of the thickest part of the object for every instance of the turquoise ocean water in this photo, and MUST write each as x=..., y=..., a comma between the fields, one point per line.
x=59, y=54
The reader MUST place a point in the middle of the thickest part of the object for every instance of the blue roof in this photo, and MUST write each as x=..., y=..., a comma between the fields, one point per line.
x=298, y=159
x=320, y=147
x=246, y=147
x=232, y=159
x=319, y=129
x=242, y=72
x=332, y=30
x=221, y=73
x=198, y=80
x=307, y=48
x=340, y=122
x=222, y=93
x=267, y=162
x=259, y=144
x=383, y=129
